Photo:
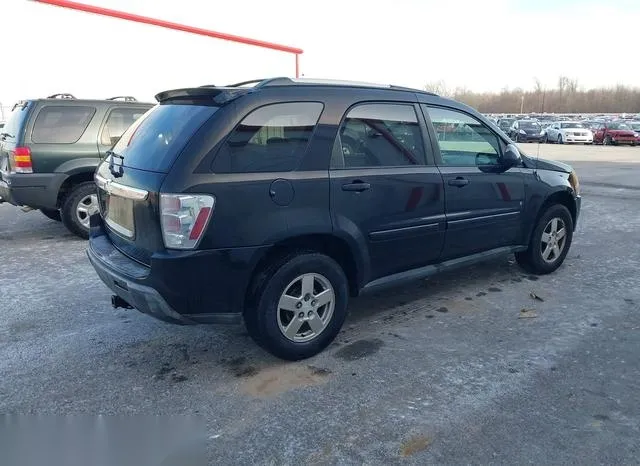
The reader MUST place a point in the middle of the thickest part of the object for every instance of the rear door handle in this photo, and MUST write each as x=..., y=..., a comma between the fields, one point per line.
x=459, y=182
x=357, y=186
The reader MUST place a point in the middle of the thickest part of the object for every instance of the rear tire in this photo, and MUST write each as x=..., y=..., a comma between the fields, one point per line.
x=284, y=317
x=542, y=241
x=52, y=214
x=78, y=206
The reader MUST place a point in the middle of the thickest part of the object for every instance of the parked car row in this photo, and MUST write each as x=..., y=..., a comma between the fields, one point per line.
x=606, y=132
x=273, y=204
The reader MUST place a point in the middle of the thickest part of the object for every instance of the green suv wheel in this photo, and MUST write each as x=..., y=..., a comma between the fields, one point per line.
x=78, y=206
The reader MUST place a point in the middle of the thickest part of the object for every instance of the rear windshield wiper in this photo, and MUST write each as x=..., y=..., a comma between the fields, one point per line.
x=112, y=168
x=6, y=135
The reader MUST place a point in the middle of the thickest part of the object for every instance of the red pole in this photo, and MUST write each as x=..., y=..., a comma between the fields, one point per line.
x=170, y=25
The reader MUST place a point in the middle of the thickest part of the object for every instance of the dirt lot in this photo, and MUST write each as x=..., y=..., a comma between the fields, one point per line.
x=440, y=371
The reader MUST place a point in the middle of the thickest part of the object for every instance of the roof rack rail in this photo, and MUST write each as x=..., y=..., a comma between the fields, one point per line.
x=126, y=98
x=63, y=95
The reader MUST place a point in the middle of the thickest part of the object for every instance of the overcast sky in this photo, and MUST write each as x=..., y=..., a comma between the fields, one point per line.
x=478, y=44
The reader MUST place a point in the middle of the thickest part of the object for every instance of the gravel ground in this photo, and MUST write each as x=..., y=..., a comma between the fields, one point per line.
x=440, y=371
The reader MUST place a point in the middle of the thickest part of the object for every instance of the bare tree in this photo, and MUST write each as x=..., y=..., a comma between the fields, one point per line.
x=438, y=87
x=567, y=97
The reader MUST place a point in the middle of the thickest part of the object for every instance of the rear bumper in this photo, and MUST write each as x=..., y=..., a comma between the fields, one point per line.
x=37, y=190
x=182, y=287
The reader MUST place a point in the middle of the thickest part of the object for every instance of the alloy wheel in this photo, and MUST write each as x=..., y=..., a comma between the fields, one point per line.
x=87, y=206
x=554, y=240
x=305, y=307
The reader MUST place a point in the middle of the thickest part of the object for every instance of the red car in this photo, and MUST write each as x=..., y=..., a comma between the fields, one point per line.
x=614, y=133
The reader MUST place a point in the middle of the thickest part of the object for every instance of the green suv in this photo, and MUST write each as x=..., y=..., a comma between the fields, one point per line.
x=50, y=148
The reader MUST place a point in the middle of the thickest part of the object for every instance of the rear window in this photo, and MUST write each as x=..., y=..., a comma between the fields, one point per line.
x=16, y=121
x=61, y=124
x=155, y=140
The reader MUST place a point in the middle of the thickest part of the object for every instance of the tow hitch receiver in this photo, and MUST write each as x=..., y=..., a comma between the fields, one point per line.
x=117, y=301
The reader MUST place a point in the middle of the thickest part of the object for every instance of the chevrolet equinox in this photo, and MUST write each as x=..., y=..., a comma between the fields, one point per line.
x=274, y=201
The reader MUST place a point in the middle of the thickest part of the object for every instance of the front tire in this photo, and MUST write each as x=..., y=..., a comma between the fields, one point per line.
x=549, y=243
x=560, y=141
x=78, y=206
x=299, y=305
x=52, y=214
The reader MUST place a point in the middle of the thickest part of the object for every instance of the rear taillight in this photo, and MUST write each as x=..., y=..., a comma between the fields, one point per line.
x=184, y=218
x=20, y=160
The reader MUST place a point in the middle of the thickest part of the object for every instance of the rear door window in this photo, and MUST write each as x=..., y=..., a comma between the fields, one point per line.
x=156, y=139
x=272, y=138
x=118, y=121
x=61, y=124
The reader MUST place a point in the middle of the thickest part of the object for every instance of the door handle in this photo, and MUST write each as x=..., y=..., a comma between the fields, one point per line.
x=459, y=182
x=357, y=186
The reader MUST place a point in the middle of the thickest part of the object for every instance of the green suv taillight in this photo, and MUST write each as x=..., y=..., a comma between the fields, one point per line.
x=20, y=160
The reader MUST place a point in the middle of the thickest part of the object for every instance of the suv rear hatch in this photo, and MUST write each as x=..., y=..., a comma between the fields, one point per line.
x=130, y=177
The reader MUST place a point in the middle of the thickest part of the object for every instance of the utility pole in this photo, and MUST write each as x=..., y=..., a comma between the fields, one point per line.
x=522, y=104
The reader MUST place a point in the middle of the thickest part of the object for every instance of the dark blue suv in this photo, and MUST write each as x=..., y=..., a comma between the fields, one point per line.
x=275, y=201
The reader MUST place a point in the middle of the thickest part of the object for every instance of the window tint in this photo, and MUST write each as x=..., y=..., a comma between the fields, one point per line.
x=61, y=125
x=156, y=139
x=379, y=135
x=270, y=139
x=117, y=123
x=463, y=140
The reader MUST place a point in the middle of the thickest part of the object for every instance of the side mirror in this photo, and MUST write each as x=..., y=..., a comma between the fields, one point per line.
x=510, y=157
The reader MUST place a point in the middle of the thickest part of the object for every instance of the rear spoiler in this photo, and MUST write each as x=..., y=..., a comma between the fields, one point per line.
x=214, y=95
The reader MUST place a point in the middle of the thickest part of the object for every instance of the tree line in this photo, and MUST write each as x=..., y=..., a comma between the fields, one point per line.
x=566, y=97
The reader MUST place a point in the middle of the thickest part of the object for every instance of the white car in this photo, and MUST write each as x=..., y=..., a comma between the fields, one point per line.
x=562, y=132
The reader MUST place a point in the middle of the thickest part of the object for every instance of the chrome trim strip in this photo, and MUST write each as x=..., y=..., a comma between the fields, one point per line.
x=118, y=228
x=121, y=190
x=384, y=234
x=101, y=181
x=483, y=217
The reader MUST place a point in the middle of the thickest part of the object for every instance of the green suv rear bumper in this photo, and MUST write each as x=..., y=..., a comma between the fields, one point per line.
x=36, y=190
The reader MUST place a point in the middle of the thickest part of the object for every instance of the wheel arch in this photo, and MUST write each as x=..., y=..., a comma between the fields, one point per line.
x=70, y=182
x=331, y=245
x=563, y=197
